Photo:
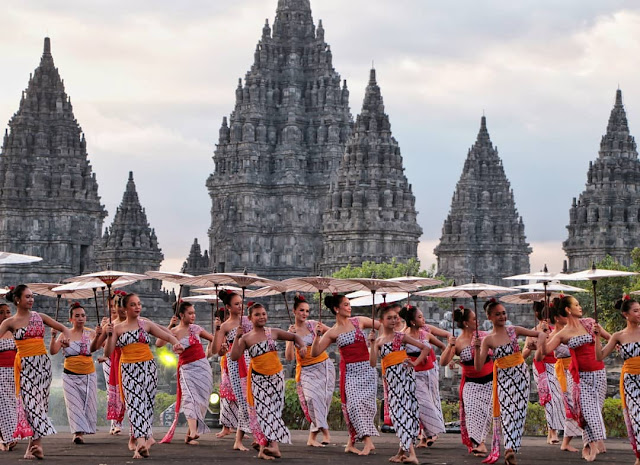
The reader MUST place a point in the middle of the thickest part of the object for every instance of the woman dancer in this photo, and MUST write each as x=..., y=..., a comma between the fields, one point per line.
x=8, y=402
x=115, y=406
x=138, y=371
x=195, y=380
x=510, y=380
x=237, y=370
x=315, y=376
x=475, y=385
x=563, y=362
x=358, y=379
x=427, y=373
x=228, y=403
x=32, y=364
x=79, y=375
x=629, y=342
x=544, y=374
x=589, y=376
x=265, y=380
x=399, y=379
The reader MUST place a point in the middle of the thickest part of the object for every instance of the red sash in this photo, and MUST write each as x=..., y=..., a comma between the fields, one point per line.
x=242, y=364
x=427, y=364
x=7, y=358
x=353, y=353
x=115, y=363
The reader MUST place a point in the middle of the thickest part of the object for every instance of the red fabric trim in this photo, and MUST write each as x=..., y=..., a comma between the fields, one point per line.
x=7, y=358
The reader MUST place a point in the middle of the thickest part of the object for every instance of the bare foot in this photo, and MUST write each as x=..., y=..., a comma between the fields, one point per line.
x=132, y=443
x=637, y=462
x=368, y=448
x=314, y=443
x=351, y=449
x=28, y=455
x=191, y=441
x=326, y=437
x=12, y=445
x=226, y=431
x=273, y=450
x=590, y=453
x=262, y=455
x=510, y=457
x=144, y=451
x=36, y=451
x=3, y=447
x=568, y=448
x=238, y=446
x=410, y=459
x=422, y=444
x=600, y=447
x=398, y=457
x=150, y=442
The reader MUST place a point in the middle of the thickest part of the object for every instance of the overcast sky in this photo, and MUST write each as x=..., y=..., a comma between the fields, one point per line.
x=151, y=80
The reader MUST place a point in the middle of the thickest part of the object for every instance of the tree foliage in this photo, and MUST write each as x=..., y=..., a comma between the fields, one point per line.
x=392, y=269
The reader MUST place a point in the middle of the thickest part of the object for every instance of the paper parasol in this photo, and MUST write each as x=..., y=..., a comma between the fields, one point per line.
x=8, y=258
x=366, y=300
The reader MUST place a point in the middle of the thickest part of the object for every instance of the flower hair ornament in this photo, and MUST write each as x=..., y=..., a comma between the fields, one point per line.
x=383, y=305
x=300, y=298
x=461, y=307
x=11, y=288
x=251, y=303
x=626, y=297
x=228, y=291
x=493, y=300
x=561, y=296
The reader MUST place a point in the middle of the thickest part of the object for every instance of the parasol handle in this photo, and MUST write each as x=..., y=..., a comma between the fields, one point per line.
x=213, y=314
x=453, y=321
x=104, y=303
x=320, y=309
x=178, y=300
x=475, y=309
x=95, y=299
x=286, y=304
x=595, y=301
x=59, y=296
x=373, y=306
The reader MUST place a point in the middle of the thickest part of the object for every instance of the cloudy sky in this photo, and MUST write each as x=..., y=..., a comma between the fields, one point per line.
x=151, y=80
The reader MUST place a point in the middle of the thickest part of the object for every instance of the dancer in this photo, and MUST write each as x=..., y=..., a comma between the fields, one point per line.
x=228, y=403
x=399, y=379
x=563, y=362
x=427, y=373
x=115, y=406
x=195, y=380
x=8, y=401
x=589, y=376
x=138, y=376
x=265, y=380
x=315, y=376
x=32, y=366
x=475, y=385
x=79, y=377
x=544, y=374
x=510, y=380
x=237, y=370
x=628, y=341
x=358, y=379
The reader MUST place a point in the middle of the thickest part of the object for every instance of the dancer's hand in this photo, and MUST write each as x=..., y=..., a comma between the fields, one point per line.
x=54, y=333
x=65, y=342
x=372, y=335
x=224, y=348
x=98, y=330
x=109, y=328
x=451, y=340
x=239, y=332
x=102, y=359
x=173, y=322
x=597, y=329
x=303, y=351
x=544, y=327
x=477, y=343
x=532, y=344
x=217, y=323
x=177, y=348
x=104, y=321
x=292, y=329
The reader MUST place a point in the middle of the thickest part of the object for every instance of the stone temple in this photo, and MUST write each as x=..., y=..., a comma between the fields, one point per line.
x=605, y=220
x=483, y=236
x=372, y=215
x=280, y=151
x=130, y=244
x=49, y=202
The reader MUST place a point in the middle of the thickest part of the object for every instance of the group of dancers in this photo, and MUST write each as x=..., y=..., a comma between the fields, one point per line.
x=494, y=389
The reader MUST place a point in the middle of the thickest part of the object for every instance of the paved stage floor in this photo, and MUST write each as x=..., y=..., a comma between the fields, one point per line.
x=111, y=450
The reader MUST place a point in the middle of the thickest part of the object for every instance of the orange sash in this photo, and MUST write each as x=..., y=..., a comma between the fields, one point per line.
x=560, y=366
x=509, y=361
x=266, y=364
x=79, y=364
x=132, y=353
x=307, y=361
x=26, y=348
x=394, y=358
x=631, y=366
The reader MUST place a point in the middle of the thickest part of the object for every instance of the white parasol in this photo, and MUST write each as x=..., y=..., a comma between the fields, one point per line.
x=8, y=258
x=45, y=289
x=368, y=299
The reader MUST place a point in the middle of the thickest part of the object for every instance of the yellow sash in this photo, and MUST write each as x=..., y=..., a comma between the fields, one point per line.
x=307, y=361
x=132, y=353
x=394, y=358
x=266, y=364
x=26, y=348
x=509, y=361
x=561, y=365
x=631, y=366
x=79, y=364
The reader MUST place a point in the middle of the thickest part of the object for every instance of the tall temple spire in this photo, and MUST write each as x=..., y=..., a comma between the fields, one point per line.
x=278, y=151
x=604, y=220
x=483, y=235
x=47, y=185
x=371, y=215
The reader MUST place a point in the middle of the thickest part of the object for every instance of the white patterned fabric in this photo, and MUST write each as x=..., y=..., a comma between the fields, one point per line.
x=35, y=381
x=238, y=383
x=401, y=390
x=80, y=391
x=196, y=383
x=8, y=402
x=513, y=395
x=477, y=399
x=106, y=370
x=268, y=399
x=360, y=386
x=317, y=383
x=631, y=386
x=554, y=409
x=139, y=383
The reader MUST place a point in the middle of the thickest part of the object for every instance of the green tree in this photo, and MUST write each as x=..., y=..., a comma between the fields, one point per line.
x=392, y=269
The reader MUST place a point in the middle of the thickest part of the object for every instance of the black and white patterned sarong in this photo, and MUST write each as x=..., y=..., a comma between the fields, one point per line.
x=8, y=402
x=80, y=391
x=238, y=383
